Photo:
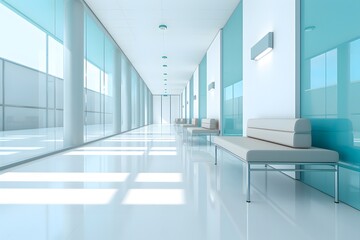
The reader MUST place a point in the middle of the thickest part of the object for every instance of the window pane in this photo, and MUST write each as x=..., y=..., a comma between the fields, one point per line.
x=55, y=58
x=20, y=41
x=32, y=92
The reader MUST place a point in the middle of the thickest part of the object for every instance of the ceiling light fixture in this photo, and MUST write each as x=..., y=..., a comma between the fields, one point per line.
x=162, y=26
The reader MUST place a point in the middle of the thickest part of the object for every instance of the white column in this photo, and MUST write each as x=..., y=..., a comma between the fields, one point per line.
x=137, y=101
x=74, y=73
x=117, y=93
x=126, y=94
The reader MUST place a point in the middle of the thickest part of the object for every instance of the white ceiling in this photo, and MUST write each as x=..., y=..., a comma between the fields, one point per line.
x=192, y=25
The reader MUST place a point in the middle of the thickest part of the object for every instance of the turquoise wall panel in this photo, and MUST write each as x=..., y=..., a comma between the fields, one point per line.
x=330, y=89
x=95, y=38
x=203, y=88
x=191, y=97
x=232, y=74
x=48, y=14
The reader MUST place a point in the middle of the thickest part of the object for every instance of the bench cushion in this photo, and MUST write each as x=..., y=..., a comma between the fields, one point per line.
x=188, y=125
x=254, y=150
x=200, y=130
x=194, y=121
x=290, y=132
x=209, y=123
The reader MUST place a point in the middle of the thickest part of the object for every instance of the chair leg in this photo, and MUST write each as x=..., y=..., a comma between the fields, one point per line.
x=336, y=192
x=248, y=184
x=215, y=155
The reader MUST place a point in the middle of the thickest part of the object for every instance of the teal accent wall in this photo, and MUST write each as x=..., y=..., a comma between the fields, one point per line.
x=47, y=14
x=191, y=98
x=330, y=89
x=232, y=74
x=203, y=89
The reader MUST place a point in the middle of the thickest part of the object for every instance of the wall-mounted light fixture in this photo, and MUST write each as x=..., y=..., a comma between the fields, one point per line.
x=162, y=27
x=262, y=47
x=194, y=97
x=211, y=86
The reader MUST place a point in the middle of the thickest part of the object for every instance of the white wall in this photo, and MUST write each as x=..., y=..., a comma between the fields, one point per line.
x=214, y=75
x=188, y=100
x=157, y=109
x=183, y=104
x=175, y=107
x=196, y=93
x=165, y=110
x=270, y=83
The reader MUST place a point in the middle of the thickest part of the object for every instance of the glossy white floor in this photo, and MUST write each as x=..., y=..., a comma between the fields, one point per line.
x=147, y=184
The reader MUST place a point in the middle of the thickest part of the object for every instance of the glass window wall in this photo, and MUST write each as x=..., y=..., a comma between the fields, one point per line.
x=330, y=89
x=232, y=74
x=32, y=85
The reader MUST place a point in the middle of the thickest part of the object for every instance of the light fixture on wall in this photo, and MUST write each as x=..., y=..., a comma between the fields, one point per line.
x=164, y=57
x=162, y=27
x=164, y=65
x=165, y=74
x=310, y=28
x=211, y=86
x=263, y=47
x=194, y=97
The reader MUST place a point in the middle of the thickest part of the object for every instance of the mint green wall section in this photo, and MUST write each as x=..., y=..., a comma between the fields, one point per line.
x=202, y=89
x=330, y=89
x=232, y=74
x=94, y=42
x=47, y=14
x=191, y=98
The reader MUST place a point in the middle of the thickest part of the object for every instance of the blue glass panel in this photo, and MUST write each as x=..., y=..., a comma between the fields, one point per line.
x=330, y=89
x=203, y=89
x=354, y=61
x=94, y=42
x=191, y=97
x=59, y=19
x=232, y=74
x=47, y=14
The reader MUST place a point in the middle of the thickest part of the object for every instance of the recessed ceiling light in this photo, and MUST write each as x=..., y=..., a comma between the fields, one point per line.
x=164, y=65
x=162, y=26
x=164, y=57
x=310, y=28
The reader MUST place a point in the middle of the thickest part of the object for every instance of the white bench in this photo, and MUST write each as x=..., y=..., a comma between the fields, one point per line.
x=279, y=142
x=194, y=123
x=209, y=127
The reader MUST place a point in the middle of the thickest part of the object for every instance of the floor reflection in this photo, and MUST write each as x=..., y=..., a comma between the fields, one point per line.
x=141, y=185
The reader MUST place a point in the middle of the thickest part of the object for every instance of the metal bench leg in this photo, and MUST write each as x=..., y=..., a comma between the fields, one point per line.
x=248, y=184
x=215, y=155
x=336, y=192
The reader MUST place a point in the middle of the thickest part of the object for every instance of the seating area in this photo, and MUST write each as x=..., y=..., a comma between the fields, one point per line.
x=209, y=127
x=194, y=123
x=272, y=144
